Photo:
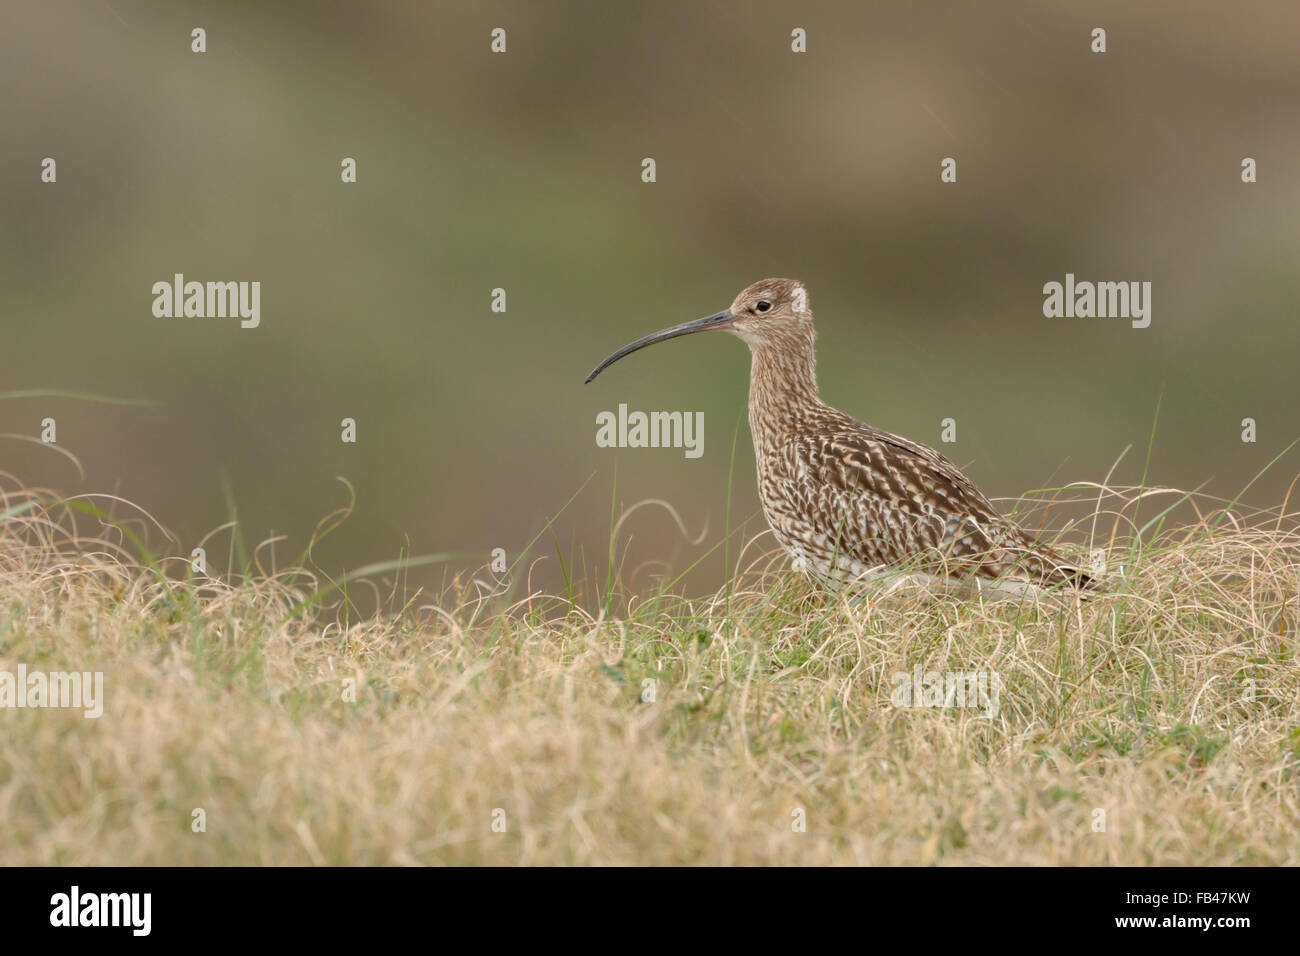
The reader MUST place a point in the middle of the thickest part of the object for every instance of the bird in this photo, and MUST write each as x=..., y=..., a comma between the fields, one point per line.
x=846, y=500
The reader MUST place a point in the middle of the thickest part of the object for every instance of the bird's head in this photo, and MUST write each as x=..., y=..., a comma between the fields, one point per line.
x=765, y=313
x=771, y=309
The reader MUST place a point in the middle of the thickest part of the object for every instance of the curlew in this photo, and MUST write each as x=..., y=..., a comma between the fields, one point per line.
x=849, y=501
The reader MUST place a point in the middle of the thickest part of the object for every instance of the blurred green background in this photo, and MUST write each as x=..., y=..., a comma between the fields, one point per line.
x=522, y=171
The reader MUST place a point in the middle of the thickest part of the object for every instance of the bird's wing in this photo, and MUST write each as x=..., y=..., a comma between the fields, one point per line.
x=890, y=500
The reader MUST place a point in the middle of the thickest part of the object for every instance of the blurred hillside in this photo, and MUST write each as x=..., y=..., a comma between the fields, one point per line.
x=522, y=171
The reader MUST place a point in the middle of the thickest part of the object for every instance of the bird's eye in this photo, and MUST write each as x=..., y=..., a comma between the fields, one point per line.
x=763, y=306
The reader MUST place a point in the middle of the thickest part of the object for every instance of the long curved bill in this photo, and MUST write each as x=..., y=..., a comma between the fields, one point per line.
x=719, y=320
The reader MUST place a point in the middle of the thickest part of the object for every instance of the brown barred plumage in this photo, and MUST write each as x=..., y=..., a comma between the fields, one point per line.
x=847, y=500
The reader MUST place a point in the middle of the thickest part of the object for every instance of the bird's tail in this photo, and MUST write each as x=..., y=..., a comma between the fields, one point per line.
x=1084, y=582
x=1054, y=571
x=1047, y=569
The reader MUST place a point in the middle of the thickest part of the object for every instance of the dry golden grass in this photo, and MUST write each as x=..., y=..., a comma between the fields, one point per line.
x=770, y=698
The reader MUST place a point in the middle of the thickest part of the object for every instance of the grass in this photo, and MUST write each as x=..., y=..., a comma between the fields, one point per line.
x=360, y=721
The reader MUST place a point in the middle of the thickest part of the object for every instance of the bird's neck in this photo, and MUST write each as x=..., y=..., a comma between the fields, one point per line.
x=782, y=388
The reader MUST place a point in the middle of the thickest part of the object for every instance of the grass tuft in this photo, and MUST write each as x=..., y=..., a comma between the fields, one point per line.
x=1157, y=723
